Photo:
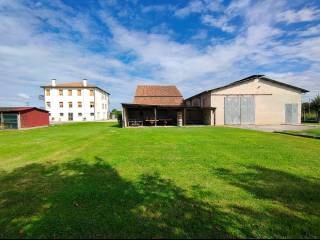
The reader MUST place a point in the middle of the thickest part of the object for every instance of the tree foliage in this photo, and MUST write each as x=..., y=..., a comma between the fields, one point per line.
x=315, y=104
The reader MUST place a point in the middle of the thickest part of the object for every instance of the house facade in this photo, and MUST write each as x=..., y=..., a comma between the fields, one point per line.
x=78, y=101
x=254, y=100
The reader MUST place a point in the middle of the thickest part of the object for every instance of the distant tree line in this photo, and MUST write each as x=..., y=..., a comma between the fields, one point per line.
x=311, y=110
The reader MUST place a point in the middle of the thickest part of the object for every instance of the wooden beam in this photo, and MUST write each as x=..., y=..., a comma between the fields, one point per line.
x=155, y=117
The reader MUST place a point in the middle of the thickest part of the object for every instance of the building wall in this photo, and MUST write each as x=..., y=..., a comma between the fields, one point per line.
x=100, y=111
x=34, y=118
x=270, y=100
x=203, y=100
x=101, y=105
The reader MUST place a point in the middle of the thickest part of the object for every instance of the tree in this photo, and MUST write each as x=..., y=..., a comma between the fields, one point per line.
x=315, y=106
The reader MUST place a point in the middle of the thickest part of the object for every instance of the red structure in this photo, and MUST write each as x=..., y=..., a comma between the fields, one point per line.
x=23, y=117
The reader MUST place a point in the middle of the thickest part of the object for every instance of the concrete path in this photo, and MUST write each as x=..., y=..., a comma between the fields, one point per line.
x=275, y=128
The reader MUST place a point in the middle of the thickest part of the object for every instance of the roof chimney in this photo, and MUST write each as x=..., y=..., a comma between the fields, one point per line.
x=53, y=82
x=85, y=82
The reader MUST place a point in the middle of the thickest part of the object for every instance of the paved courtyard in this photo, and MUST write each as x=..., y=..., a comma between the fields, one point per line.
x=276, y=128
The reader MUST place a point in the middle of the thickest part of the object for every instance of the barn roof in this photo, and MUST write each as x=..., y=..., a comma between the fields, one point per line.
x=263, y=77
x=19, y=109
x=158, y=95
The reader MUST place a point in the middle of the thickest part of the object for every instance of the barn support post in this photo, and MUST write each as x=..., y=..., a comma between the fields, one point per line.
x=124, y=117
x=155, y=116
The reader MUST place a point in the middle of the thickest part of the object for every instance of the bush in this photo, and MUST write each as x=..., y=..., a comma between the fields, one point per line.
x=119, y=118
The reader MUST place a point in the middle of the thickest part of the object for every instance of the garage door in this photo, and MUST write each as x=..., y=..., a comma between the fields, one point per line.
x=232, y=110
x=9, y=121
x=239, y=110
x=291, y=114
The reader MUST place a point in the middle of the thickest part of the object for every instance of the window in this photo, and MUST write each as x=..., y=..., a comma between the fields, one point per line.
x=61, y=114
x=47, y=92
x=92, y=114
x=79, y=114
x=61, y=104
x=80, y=104
x=91, y=104
x=70, y=104
x=69, y=92
x=102, y=106
x=60, y=92
x=48, y=104
x=91, y=93
x=79, y=92
x=70, y=116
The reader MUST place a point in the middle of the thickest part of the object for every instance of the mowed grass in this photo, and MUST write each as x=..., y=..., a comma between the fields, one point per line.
x=95, y=180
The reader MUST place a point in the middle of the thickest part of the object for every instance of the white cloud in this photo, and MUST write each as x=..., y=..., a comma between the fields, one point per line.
x=199, y=6
x=195, y=6
x=309, y=32
x=23, y=96
x=221, y=22
x=157, y=8
x=303, y=15
x=200, y=35
x=29, y=57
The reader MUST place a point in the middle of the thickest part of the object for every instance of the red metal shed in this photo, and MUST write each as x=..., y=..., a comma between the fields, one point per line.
x=23, y=117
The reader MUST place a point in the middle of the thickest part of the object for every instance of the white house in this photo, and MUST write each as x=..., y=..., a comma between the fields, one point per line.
x=77, y=101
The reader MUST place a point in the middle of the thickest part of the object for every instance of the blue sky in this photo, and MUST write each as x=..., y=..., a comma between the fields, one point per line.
x=117, y=44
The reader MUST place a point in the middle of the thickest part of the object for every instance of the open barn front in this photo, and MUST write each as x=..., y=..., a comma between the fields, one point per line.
x=136, y=116
x=141, y=115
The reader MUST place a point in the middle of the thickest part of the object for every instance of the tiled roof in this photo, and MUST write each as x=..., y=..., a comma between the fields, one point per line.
x=157, y=91
x=73, y=84
x=157, y=95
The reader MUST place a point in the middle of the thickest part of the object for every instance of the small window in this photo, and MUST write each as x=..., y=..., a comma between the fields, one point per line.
x=70, y=104
x=80, y=114
x=69, y=92
x=102, y=106
x=91, y=104
x=48, y=104
x=79, y=92
x=47, y=92
x=91, y=93
x=61, y=104
x=80, y=104
x=61, y=114
x=60, y=92
x=92, y=114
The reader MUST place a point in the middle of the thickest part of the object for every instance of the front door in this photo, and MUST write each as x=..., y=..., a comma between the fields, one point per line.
x=70, y=116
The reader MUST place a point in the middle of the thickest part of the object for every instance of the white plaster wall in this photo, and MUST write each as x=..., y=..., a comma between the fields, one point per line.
x=270, y=100
x=98, y=112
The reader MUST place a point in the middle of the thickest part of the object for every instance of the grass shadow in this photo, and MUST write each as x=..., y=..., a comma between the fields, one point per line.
x=115, y=125
x=80, y=200
x=293, y=209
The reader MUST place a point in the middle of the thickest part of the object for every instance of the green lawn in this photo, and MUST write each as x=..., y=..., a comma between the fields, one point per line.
x=95, y=180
